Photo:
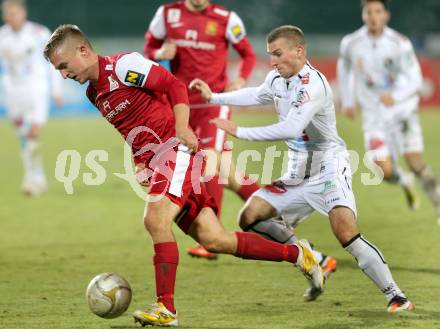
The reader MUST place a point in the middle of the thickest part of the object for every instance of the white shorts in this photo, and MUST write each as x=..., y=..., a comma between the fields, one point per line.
x=400, y=137
x=30, y=105
x=330, y=189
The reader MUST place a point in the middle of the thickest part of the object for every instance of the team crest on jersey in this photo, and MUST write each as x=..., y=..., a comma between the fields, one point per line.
x=173, y=15
x=305, y=79
x=211, y=28
x=112, y=83
x=301, y=98
x=134, y=78
x=237, y=31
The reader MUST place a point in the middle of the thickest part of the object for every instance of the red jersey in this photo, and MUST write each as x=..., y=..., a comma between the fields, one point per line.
x=202, y=40
x=134, y=94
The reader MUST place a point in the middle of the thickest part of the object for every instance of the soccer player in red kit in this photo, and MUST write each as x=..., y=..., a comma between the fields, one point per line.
x=133, y=93
x=194, y=35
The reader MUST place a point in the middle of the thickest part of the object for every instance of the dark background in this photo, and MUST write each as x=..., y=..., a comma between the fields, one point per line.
x=104, y=18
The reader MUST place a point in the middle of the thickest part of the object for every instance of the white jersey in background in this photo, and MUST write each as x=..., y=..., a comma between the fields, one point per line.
x=28, y=78
x=369, y=66
x=307, y=121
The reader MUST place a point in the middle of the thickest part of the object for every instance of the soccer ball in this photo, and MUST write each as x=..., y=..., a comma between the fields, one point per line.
x=108, y=295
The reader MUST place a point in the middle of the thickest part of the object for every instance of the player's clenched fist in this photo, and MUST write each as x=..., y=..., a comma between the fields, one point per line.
x=187, y=137
x=202, y=87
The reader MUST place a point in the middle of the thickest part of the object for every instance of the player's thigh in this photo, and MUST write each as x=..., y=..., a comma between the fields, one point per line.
x=257, y=208
x=332, y=189
x=160, y=214
x=173, y=184
x=278, y=200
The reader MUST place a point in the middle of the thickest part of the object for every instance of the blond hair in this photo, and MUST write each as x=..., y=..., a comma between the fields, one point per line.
x=290, y=32
x=61, y=34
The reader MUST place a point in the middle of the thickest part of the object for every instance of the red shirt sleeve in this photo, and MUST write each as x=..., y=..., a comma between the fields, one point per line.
x=161, y=80
x=152, y=45
x=248, y=58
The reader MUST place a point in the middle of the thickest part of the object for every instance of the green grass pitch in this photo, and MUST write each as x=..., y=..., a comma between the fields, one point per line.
x=50, y=247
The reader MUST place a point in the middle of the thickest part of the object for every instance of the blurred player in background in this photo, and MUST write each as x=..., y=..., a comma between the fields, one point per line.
x=318, y=176
x=194, y=35
x=129, y=91
x=379, y=70
x=29, y=81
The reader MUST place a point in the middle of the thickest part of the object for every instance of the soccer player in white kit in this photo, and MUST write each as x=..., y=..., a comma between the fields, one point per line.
x=378, y=69
x=28, y=83
x=318, y=175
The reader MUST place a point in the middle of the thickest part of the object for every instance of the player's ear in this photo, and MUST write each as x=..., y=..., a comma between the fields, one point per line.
x=83, y=50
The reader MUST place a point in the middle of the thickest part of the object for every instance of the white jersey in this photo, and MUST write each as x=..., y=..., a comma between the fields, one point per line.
x=369, y=66
x=307, y=121
x=23, y=63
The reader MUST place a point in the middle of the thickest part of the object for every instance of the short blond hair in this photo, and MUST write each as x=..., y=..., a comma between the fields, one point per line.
x=21, y=3
x=61, y=34
x=290, y=32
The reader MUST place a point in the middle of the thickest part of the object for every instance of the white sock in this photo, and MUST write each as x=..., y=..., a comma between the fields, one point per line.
x=372, y=263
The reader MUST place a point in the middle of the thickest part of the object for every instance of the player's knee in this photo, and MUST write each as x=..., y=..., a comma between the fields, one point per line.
x=219, y=244
x=247, y=217
x=153, y=225
x=345, y=236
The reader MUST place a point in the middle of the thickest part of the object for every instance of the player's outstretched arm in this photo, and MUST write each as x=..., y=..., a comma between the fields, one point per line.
x=252, y=96
x=290, y=128
x=226, y=125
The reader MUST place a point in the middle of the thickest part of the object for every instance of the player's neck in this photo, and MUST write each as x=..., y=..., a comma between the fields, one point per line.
x=94, y=69
x=17, y=28
x=375, y=33
x=190, y=7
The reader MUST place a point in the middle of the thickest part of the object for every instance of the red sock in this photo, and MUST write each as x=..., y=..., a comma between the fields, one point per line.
x=253, y=246
x=246, y=190
x=215, y=190
x=165, y=260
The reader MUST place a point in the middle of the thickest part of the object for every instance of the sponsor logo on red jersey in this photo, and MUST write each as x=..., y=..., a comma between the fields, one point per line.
x=237, y=31
x=211, y=28
x=134, y=78
x=113, y=83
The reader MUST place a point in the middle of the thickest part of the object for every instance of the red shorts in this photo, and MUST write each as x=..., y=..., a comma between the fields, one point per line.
x=177, y=176
x=210, y=137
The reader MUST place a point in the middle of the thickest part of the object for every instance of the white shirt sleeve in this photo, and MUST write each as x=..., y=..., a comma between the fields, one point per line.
x=261, y=95
x=157, y=25
x=310, y=101
x=410, y=69
x=345, y=73
x=235, y=31
x=133, y=69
